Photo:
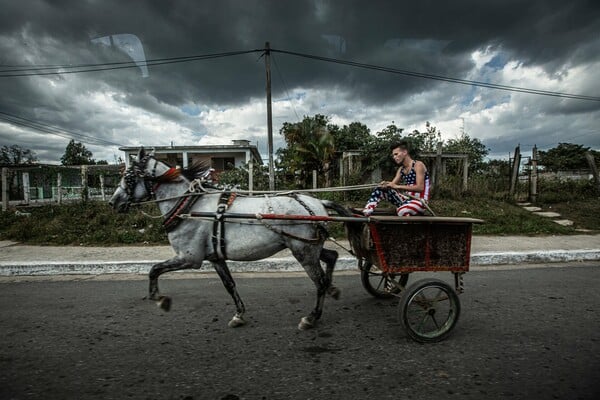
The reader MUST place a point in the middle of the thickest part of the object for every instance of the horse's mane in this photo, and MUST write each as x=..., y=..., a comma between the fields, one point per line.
x=191, y=172
x=196, y=170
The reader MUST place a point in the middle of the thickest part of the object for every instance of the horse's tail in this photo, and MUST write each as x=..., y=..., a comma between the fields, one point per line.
x=354, y=230
x=338, y=208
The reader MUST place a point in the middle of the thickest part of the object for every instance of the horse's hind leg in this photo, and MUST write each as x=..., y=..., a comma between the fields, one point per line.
x=157, y=270
x=313, y=268
x=329, y=257
x=229, y=283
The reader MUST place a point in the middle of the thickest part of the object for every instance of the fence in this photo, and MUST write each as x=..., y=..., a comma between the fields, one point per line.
x=41, y=184
x=532, y=174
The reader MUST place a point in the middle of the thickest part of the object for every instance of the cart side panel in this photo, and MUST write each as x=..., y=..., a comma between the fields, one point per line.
x=426, y=246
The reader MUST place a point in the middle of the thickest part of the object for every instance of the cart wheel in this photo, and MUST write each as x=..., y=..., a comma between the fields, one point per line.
x=378, y=283
x=429, y=310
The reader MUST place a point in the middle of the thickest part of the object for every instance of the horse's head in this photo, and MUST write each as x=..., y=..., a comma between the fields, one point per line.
x=137, y=182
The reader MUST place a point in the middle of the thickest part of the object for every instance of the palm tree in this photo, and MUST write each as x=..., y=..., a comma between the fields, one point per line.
x=311, y=146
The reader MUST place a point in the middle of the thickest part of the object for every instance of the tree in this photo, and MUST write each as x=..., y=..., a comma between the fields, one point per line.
x=15, y=155
x=350, y=137
x=310, y=146
x=378, y=153
x=239, y=176
x=427, y=141
x=77, y=154
x=470, y=146
x=565, y=156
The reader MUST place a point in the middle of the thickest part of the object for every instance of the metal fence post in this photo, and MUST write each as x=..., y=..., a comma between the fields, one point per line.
x=466, y=173
x=26, y=187
x=84, y=185
x=101, y=177
x=438, y=164
x=515, y=171
x=592, y=163
x=250, y=177
x=59, y=188
x=534, y=176
x=4, y=189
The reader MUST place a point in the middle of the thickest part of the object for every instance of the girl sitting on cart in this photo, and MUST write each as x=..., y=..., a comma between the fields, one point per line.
x=412, y=177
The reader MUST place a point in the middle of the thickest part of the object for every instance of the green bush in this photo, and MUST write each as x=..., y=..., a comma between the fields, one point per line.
x=552, y=191
x=89, y=223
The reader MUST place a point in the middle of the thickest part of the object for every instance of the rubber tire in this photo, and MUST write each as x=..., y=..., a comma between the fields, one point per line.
x=366, y=275
x=409, y=305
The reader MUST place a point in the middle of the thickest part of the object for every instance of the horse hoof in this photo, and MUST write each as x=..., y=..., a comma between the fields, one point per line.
x=164, y=302
x=305, y=323
x=236, y=321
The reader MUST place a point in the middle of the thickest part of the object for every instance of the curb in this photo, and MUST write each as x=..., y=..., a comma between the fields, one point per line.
x=534, y=257
x=286, y=264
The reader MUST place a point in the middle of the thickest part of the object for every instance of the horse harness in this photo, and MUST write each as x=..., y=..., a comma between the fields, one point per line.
x=225, y=201
x=218, y=237
x=188, y=199
x=321, y=231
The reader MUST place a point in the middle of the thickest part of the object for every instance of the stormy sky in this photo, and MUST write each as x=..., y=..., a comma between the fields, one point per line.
x=552, y=46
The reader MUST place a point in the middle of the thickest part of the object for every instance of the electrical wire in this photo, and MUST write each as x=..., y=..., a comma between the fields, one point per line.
x=439, y=77
x=21, y=71
x=53, y=130
x=285, y=86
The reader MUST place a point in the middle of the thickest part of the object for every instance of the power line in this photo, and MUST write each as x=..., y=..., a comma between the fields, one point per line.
x=53, y=130
x=440, y=77
x=21, y=71
x=285, y=86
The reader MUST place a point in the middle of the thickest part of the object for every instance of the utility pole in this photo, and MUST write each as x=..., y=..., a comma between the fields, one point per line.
x=269, y=117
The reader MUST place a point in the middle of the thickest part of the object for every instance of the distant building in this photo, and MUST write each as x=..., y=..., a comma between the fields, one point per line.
x=219, y=157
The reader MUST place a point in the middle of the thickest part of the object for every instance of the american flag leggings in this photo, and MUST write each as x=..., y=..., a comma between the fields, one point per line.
x=404, y=205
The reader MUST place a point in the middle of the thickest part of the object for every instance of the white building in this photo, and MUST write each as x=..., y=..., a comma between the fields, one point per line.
x=219, y=157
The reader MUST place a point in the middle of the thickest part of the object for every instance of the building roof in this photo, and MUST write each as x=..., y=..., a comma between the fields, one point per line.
x=241, y=145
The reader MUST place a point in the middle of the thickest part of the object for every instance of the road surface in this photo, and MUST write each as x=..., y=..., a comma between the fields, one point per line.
x=522, y=334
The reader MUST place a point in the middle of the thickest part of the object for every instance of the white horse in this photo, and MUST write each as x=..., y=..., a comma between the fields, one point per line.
x=218, y=238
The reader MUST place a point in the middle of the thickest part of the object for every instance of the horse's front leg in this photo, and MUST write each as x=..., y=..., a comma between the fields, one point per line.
x=225, y=275
x=173, y=264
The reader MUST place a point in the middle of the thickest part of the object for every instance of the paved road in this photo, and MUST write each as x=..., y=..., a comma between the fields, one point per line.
x=523, y=334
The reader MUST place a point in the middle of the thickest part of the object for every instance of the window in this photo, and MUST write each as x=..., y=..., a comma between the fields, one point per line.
x=223, y=163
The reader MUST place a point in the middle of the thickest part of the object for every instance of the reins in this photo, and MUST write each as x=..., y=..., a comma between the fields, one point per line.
x=204, y=190
x=198, y=187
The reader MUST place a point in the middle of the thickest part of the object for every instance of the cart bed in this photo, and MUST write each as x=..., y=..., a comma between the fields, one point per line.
x=409, y=244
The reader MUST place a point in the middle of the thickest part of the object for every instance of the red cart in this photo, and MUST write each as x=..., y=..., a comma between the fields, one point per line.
x=389, y=248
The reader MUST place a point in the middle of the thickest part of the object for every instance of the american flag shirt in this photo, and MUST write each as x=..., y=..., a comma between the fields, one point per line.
x=410, y=179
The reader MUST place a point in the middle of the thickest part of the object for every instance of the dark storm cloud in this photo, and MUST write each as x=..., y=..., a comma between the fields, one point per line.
x=395, y=34
x=425, y=36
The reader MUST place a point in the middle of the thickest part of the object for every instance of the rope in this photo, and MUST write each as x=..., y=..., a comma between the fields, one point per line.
x=145, y=214
x=197, y=189
x=315, y=190
x=197, y=184
x=338, y=244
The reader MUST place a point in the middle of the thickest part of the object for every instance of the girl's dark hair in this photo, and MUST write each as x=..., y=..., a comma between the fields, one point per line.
x=403, y=144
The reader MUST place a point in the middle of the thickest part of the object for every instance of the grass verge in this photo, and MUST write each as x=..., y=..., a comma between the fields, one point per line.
x=96, y=224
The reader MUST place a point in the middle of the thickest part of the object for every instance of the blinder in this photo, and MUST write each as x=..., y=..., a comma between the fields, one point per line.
x=136, y=171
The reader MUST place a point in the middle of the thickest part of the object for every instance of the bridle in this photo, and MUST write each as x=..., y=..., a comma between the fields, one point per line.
x=137, y=171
